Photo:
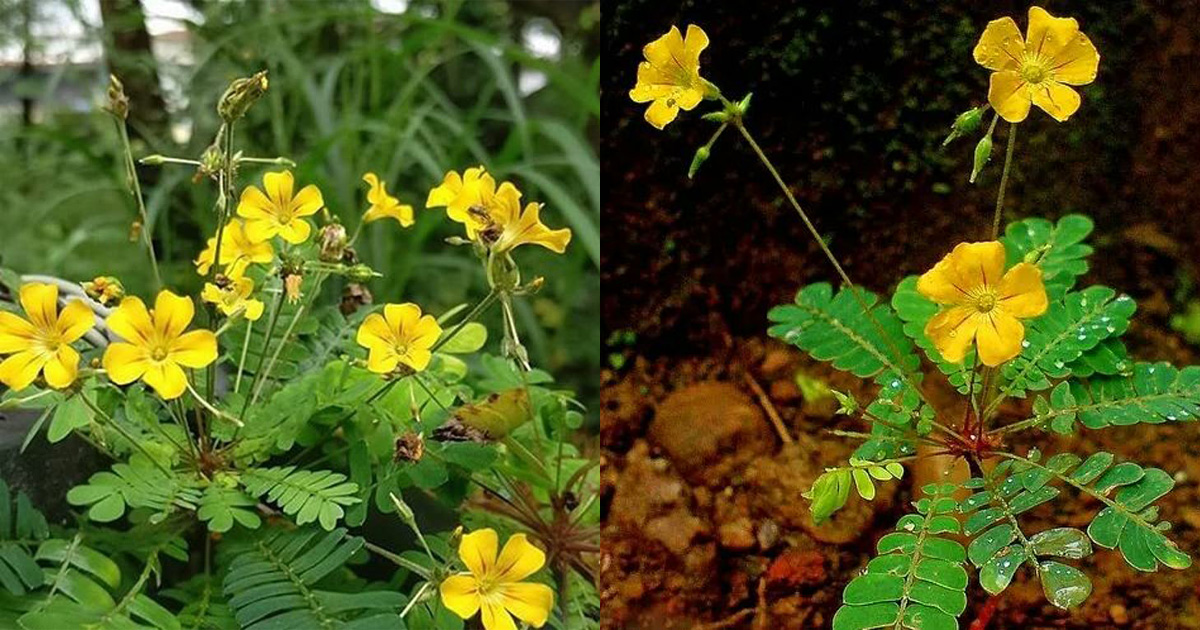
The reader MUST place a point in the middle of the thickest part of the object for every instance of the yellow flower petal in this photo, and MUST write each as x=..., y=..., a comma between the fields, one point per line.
x=952, y=331
x=19, y=370
x=61, y=370
x=1047, y=34
x=308, y=201
x=166, y=378
x=278, y=187
x=131, y=321
x=426, y=332
x=254, y=310
x=1022, y=292
x=40, y=302
x=661, y=112
x=382, y=359
x=416, y=358
x=262, y=229
x=1056, y=99
x=374, y=331
x=254, y=204
x=999, y=336
x=1001, y=45
x=16, y=333
x=694, y=44
x=195, y=349
x=460, y=593
x=75, y=320
x=446, y=193
x=529, y=601
x=1076, y=63
x=172, y=314
x=295, y=231
x=666, y=49
x=518, y=560
x=401, y=318
x=529, y=230
x=478, y=551
x=124, y=362
x=495, y=617
x=1008, y=96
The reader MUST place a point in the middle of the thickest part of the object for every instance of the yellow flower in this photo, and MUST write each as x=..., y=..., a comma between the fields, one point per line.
x=510, y=227
x=492, y=584
x=383, y=205
x=237, y=251
x=985, y=302
x=42, y=343
x=400, y=335
x=104, y=289
x=279, y=212
x=459, y=194
x=156, y=348
x=670, y=75
x=1038, y=68
x=234, y=298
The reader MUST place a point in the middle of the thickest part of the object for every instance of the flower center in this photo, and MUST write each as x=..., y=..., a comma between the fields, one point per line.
x=50, y=342
x=1035, y=69
x=985, y=302
x=158, y=353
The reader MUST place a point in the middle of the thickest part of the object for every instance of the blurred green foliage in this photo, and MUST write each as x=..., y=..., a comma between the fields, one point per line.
x=408, y=95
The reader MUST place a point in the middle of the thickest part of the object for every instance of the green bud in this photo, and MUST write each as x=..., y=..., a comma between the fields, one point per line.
x=152, y=160
x=983, y=153
x=716, y=117
x=402, y=508
x=697, y=160
x=361, y=273
x=967, y=123
x=744, y=105
x=847, y=404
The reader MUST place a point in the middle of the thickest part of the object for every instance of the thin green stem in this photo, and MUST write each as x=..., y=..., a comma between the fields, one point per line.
x=237, y=383
x=136, y=189
x=262, y=355
x=398, y=560
x=124, y=433
x=1008, y=155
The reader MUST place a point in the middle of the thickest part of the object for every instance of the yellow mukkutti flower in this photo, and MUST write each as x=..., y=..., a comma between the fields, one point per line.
x=279, y=212
x=238, y=251
x=1036, y=69
x=492, y=583
x=463, y=195
x=669, y=78
x=383, y=205
x=42, y=343
x=985, y=303
x=400, y=335
x=234, y=298
x=155, y=347
x=510, y=227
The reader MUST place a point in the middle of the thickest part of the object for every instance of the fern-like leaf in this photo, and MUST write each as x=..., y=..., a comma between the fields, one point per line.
x=137, y=484
x=272, y=585
x=1065, y=255
x=307, y=495
x=1154, y=393
x=917, y=581
x=220, y=507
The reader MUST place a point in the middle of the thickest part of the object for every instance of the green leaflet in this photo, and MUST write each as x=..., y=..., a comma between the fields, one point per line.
x=916, y=310
x=831, y=490
x=1071, y=327
x=272, y=585
x=1065, y=255
x=19, y=521
x=136, y=484
x=835, y=328
x=220, y=507
x=1153, y=393
x=308, y=495
x=918, y=580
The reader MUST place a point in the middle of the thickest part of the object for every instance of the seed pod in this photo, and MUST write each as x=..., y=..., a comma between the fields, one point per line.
x=967, y=123
x=697, y=160
x=983, y=153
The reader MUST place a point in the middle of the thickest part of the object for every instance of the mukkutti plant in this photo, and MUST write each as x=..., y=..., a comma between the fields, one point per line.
x=999, y=319
x=252, y=432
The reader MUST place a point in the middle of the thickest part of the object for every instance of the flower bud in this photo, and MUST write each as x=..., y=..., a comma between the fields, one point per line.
x=402, y=509
x=697, y=160
x=847, y=404
x=240, y=95
x=104, y=289
x=152, y=160
x=967, y=123
x=361, y=273
x=983, y=153
x=118, y=102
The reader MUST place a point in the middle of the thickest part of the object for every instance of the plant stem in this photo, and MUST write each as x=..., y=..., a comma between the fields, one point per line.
x=398, y=560
x=124, y=433
x=262, y=356
x=136, y=188
x=1008, y=155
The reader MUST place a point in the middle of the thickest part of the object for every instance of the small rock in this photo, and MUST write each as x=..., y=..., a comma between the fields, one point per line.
x=785, y=392
x=794, y=569
x=710, y=430
x=775, y=364
x=737, y=535
x=1119, y=615
x=767, y=534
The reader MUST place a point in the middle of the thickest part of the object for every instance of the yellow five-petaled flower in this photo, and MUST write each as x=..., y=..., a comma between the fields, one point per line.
x=669, y=78
x=985, y=303
x=237, y=251
x=155, y=347
x=1036, y=69
x=492, y=214
x=279, y=211
x=383, y=205
x=401, y=335
x=492, y=583
x=234, y=298
x=42, y=343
